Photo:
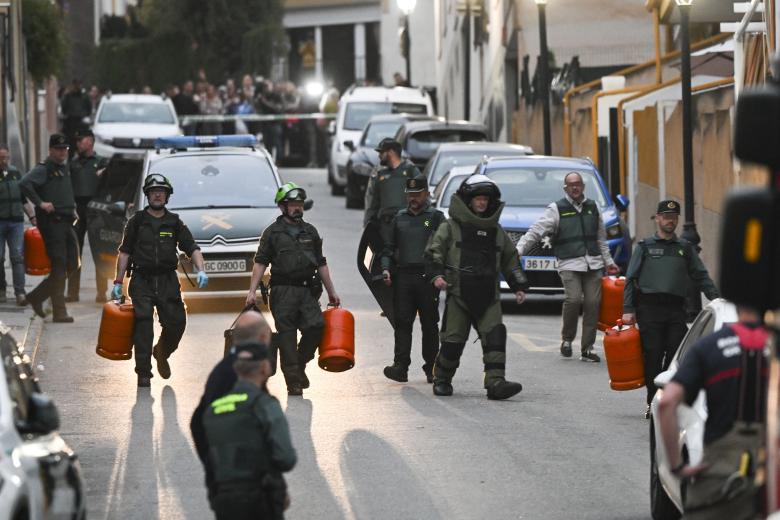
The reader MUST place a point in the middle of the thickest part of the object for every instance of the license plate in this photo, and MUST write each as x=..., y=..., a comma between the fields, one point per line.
x=225, y=266
x=540, y=263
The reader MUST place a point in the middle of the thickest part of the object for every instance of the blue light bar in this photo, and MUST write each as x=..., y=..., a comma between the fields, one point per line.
x=206, y=141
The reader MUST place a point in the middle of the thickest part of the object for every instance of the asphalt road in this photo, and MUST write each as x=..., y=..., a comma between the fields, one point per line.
x=566, y=447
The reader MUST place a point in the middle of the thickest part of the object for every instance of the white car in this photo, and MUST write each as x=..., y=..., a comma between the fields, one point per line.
x=128, y=124
x=40, y=476
x=448, y=185
x=356, y=107
x=666, y=491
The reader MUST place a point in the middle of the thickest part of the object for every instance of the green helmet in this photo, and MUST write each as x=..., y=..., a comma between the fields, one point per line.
x=288, y=192
x=157, y=180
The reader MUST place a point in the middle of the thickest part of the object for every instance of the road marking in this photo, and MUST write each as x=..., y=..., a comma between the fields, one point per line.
x=526, y=343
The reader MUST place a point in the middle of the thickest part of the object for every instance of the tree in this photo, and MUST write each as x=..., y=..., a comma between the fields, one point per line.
x=46, y=43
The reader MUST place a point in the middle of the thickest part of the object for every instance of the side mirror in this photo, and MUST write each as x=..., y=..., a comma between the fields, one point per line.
x=42, y=415
x=117, y=208
x=308, y=204
x=662, y=379
x=622, y=202
x=350, y=144
x=332, y=128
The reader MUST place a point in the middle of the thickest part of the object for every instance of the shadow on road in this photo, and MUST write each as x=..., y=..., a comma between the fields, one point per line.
x=379, y=483
x=424, y=403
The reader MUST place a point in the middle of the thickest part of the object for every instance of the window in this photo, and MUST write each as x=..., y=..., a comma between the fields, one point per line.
x=425, y=143
x=378, y=131
x=358, y=113
x=703, y=325
x=538, y=186
x=146, y=113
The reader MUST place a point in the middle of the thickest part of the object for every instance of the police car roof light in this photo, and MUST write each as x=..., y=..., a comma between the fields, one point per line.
x=206, y=141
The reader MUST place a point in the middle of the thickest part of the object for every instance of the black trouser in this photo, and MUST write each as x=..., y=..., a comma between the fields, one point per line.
x=413, y=294
x=63, y=250
x=74, y=279
x=662, y=327
x=162, y=292
x=242, y=502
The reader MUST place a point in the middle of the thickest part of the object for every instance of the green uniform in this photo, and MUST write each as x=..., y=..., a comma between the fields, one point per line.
x=249, y=449
x=470, y=252
x=577, y=233
x=294, y=252
x=11, y=198
x=152, y=244
x=385, y=194
x=657, y=282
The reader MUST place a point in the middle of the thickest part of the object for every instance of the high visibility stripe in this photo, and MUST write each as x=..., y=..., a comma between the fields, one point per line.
x=230, y=399
x=752, y=248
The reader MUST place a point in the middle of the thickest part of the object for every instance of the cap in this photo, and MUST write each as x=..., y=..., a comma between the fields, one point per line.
x=86, y=132
x=416, y=184
x=58, y=141
x=257, y=351
x=668, y=206
x=388, y=143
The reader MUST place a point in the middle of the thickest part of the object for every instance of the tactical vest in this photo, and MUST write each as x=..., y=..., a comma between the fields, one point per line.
x=577, y=230
x=236, y=441
x=478, y=266
x=57, y=189
x=412, y=235
x=83, y=172
x=664, y=268
x=11, y=196
x=295, y=259
x=392, y=190
x=155, y=249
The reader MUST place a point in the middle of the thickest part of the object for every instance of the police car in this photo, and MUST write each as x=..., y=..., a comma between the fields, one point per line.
x=224, y=188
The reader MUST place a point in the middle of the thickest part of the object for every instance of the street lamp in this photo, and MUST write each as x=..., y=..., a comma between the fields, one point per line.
x=406, y=7
x=544, y=74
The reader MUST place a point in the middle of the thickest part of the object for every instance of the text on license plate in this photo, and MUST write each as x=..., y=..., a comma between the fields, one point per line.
x=540, y=263
x=225, y=266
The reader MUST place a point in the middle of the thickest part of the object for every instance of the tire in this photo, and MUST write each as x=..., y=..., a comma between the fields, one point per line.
x=661, y=506
x=353, y=200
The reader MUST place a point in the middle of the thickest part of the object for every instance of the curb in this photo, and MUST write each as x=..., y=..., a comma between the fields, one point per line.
x=32, y=337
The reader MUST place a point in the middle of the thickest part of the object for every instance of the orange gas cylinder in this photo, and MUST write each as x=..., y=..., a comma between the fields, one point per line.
x=623, y=350
x=611, y=301
x=337, y=346
x=36, y=261
x=115, y=339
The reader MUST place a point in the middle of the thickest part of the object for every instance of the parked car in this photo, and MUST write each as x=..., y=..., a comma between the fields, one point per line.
x=666, y=489
x=421, y=139
x=468, y=153
x=364, y=158
x=356, y=107
x=224, y=188
x=128, y=124
x=528, y=185
x=40, y=476
x=442, y=194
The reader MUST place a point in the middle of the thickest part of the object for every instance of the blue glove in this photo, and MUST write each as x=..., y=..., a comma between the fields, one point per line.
x=203, y=279
x=116, y=292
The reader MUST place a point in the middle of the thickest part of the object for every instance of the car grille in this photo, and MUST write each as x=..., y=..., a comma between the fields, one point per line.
x=129, y=142
x=541, y=248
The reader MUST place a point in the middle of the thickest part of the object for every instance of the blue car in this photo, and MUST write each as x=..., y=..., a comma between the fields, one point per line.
x=528, y=185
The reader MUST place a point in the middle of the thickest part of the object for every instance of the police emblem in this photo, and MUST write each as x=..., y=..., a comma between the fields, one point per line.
x=671, y=205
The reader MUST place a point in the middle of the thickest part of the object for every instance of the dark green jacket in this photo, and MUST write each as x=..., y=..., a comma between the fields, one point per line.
x=11, y=198
x=83, y=174
x=386, y=191
x=443, y=251
x=577, y=233
x=50, y=182
x=409, y=237
x=152, y=242
x=668, y=267
x=248, y=435
x=293, y=250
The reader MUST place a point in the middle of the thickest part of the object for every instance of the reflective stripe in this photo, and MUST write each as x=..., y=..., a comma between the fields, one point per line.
x=227, y=403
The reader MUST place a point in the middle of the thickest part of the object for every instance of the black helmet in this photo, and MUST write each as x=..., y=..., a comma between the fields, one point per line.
x=479, y=184
x=157, y=180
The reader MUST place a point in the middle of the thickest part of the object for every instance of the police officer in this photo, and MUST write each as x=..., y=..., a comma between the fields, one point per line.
x=580, y=243
x=294, y=250
x=249, y=443
x=404, y=254
x=465, y=257
x=657, y=280
x=731, y=366
x=149, y=244
x=385, y=191
x=86, y=167
x=12, y=213
x=49, y=188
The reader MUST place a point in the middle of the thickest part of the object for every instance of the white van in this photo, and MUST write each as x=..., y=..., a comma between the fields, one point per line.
x=356, y=107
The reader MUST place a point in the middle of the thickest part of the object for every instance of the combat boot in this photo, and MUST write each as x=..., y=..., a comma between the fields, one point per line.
x=397, y=373
x=294, y=390
x=503, y=389
x=442, y=388
x=304, y=379
x=163, y=368
x=428, y=369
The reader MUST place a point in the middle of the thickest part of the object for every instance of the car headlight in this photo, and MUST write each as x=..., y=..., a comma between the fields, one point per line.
x=614, y=231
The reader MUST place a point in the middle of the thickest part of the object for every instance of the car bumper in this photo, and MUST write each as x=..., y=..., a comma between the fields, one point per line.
x=221, y=284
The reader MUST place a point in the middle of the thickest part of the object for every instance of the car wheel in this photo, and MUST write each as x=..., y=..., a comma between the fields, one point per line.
x=335, y=189
x=661, y=506
x=353, y=198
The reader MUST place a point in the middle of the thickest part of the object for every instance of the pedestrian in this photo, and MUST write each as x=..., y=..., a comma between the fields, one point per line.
x=657, y=280
x=269, y=102
x=12, y=213
x=249, y=443
x=86, y=167
x=731, y=366
x=49, y=188
x=185, y=105
x=211, y=105
x=579, y=240
x=385, y=191
x=151, y=238
x=76, y=109
x=250, y=327
x=413, y=294
x=466, y=257
x=293, y=249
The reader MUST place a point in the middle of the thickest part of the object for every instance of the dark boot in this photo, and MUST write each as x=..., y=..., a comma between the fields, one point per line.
x=144, y=382
x=289, y=360
x=428, y=369
x=397, y=373
x=163, y=368
x=304, y=379
x=503, y=389
x=442, y=388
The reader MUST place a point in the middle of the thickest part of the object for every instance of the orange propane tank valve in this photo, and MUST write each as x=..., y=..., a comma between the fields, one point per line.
x=611, y=301
x=337, y=346
x=36, y=261
x=623, y=350
x=115, y=339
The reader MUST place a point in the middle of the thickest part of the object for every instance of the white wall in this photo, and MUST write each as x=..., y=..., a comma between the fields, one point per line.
x=422, y=43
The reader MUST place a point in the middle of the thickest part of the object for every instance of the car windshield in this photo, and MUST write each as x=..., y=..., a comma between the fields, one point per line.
x=424, y=144
x=539, y=186
x=147, y=113
x=447, y=192
x=209, y=181
x=378, y=131
x=445, y=161
x=358, y=113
